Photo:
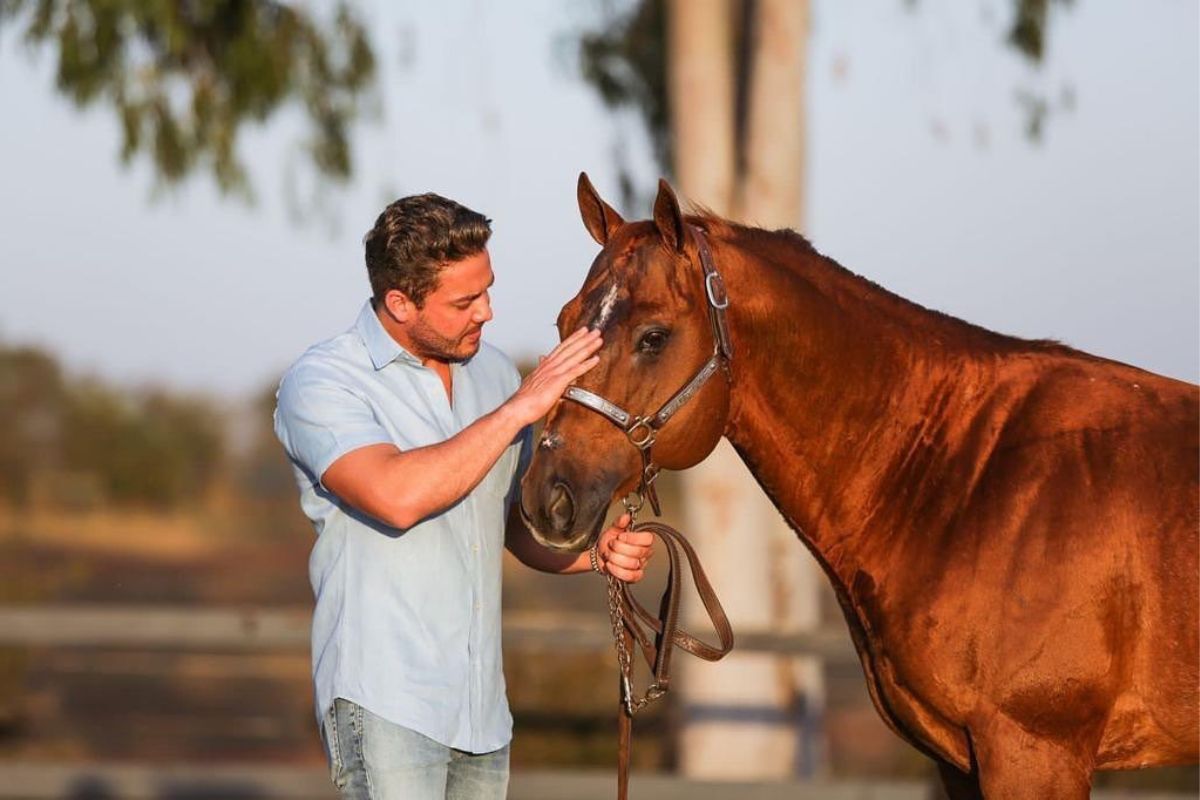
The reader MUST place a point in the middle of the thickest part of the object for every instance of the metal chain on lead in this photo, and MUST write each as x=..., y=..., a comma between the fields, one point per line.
x=616, y=615
x=624, y=663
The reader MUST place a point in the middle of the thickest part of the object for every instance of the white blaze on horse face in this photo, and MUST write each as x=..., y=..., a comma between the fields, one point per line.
x=606, y=307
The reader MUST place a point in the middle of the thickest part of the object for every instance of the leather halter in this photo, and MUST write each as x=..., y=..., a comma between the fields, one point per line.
x=643, y=430
x=632, y=623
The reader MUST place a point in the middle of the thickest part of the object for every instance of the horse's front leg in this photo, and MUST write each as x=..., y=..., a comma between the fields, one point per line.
x=1015, y=764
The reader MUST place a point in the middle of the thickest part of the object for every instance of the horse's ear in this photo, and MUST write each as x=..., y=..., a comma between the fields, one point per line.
x=667, y=217
x=598, y=216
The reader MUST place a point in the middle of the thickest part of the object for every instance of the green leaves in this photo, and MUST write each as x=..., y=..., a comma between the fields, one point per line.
x=184, y=76
x=1029, y=27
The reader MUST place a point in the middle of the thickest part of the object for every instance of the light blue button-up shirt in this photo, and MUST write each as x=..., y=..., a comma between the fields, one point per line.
x=407, y=622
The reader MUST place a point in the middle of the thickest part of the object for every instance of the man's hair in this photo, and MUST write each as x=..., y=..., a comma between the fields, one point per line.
x=415, y=238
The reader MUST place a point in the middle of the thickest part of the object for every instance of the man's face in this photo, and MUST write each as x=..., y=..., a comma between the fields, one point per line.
x=449, y=325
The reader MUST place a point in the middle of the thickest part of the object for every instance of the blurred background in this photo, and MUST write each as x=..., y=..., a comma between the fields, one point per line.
x=183, y=191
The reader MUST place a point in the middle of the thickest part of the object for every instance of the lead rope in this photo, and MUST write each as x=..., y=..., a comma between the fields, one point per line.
x=632, y=622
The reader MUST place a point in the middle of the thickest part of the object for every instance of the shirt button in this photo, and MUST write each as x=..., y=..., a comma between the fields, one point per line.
x=474, y=548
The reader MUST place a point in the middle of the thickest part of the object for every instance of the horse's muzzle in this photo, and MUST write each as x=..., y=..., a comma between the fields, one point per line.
x=562, y=514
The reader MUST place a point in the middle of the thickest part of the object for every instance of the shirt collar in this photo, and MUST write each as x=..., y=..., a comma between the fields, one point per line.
x=382, y=348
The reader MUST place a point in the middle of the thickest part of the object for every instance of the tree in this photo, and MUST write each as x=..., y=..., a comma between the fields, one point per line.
x=626, y=62
x=184, y=77
x=61, y=434
x=32, y=394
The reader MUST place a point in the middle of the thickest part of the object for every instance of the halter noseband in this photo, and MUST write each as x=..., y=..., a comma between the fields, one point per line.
x=643, y=430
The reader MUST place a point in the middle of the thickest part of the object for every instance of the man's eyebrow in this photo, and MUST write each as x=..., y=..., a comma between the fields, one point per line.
x=466, y=297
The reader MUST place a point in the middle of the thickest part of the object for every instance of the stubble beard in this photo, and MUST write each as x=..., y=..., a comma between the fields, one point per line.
x=428, y=343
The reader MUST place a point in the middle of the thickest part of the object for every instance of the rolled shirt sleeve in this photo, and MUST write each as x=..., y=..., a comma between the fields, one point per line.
x=319, y=420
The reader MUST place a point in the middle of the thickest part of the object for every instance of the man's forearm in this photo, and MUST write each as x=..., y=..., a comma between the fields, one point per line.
x=401, y=488
x=426, y=480
x=543, y=559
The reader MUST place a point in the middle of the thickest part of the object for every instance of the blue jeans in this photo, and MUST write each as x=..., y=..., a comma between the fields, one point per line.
x=373, y=759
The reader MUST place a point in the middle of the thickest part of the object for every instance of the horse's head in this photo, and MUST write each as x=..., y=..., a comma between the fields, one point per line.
x=647, y=293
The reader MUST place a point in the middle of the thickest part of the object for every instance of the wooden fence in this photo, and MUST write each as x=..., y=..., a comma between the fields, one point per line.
x=189, y=627
x=287, y=629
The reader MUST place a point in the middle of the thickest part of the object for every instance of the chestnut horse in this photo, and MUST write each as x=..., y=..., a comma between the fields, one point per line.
x=1010, y=526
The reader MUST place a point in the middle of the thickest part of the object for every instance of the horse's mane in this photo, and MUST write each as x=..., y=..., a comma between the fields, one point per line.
x=802, y=253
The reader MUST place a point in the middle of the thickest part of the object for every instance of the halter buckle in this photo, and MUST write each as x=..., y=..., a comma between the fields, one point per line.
x=641, y=433
x=714, y=287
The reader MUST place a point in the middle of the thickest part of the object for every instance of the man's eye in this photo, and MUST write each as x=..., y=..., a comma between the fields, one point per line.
x=653, y=341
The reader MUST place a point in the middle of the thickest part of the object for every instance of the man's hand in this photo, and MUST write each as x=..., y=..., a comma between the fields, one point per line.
x=623, y=553
x=543, y=387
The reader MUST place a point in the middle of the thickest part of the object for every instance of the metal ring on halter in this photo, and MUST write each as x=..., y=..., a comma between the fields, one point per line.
x=641, y=442
x=630, y=506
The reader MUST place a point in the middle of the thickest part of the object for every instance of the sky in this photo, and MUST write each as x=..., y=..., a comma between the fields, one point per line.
x=920, y=177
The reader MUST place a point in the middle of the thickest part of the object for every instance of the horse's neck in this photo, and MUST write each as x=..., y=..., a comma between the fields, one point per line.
x=833, y=384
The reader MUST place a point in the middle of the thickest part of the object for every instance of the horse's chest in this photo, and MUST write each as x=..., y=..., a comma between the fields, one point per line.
x=905, y=671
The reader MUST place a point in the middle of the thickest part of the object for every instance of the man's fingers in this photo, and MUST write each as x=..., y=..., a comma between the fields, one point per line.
x=582, y=367
x=626, y=555
x=625, y=575
x=637, y=538
x=634, y=547
x=574, y=352
x=568, y=368
x=571, y=341
x=631, y=560
x=630, y=574
x=560, y=378
x=571, y=346
x=626, y=560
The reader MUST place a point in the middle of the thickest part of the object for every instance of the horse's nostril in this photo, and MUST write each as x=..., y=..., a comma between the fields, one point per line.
x=561, y=508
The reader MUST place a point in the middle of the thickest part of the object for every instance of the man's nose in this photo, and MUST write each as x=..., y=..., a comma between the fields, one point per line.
x=484, y=312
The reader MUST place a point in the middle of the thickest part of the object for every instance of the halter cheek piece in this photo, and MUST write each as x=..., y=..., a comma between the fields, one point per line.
x=643, y=430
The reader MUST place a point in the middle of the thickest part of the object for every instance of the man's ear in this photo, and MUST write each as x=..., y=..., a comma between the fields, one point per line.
x=397, y=305
x=598, y=216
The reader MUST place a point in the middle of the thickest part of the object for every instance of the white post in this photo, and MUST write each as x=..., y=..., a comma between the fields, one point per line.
x=752, y=715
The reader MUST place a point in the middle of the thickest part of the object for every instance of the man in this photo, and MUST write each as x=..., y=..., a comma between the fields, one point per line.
x=408, y=435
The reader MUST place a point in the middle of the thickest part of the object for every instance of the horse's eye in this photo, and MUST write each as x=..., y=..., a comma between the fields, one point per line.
x=653, y=341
